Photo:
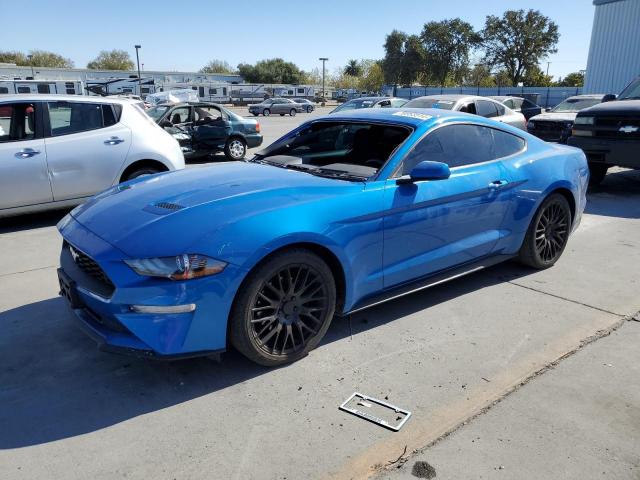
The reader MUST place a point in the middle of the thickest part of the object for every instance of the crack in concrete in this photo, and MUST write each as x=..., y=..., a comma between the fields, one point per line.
x=27, y=271
x=560, y=297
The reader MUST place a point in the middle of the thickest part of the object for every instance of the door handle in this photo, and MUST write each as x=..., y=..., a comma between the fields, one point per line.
x=27, y=153
x=497, y=184
x=113, y=141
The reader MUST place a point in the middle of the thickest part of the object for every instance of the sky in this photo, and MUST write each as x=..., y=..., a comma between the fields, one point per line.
x=184, y=36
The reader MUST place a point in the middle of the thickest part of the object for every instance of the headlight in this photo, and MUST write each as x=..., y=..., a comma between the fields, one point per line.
x=181, y=267
x=584, y=120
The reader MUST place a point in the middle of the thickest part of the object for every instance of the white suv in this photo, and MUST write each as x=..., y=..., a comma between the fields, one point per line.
x=57, y=150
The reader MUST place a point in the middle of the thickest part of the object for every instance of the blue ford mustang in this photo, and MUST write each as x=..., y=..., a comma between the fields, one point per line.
x=342, y=213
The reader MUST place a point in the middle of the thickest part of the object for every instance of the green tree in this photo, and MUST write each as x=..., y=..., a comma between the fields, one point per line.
x=274, y=70
x=447, y=45
x=217, y=66
x=39, y=58
x=112, y=60
x=479, y=76
x=535, y=77
x=413, y=60
x=394, y=53
x=353, y=68
x=314, y=77
x=574, y=79
x=518, y=41
x=372, y=78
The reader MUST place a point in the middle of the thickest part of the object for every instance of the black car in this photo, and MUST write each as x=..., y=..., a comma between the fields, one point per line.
x=204, y=128
x=609, y=133
x=518, y=104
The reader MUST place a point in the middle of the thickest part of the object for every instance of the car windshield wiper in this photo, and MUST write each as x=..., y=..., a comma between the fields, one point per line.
x=329, y=172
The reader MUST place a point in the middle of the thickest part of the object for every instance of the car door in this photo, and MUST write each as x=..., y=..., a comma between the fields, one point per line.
x=86, y=147
x=24, y=178
x=431, y=226
x=211, y=127
x=181, y=116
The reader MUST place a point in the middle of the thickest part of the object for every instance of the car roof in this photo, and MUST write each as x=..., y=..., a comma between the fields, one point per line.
x=595, y=95
x=454, y=97
x=504, y=97
x=369, y=98
x=188, y=104
x=52, y=97
x=401, y=116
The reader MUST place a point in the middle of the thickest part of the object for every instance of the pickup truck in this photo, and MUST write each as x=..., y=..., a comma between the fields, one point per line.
x=609, y=133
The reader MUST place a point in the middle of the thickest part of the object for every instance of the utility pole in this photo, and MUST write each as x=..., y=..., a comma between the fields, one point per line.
x=138, y=47
x=548, y=63
x=323, y=59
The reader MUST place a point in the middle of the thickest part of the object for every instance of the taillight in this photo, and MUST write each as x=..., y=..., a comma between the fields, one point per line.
x=257, y=127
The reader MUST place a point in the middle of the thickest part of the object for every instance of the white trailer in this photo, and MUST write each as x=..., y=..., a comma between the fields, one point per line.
x=72, y=87
x=216, y=92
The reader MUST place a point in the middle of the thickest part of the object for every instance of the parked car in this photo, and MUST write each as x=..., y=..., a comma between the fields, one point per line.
x=482, y=106
x=204, y=128
x=518, y=104
x=370, y=102
x=308, y=105
x=556, y=123
x=344, y=212
x=609, y=133
x=58, y=150
x=282, y=106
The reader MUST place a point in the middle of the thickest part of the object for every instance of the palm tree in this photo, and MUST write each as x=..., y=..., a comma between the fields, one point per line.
x=353, y=68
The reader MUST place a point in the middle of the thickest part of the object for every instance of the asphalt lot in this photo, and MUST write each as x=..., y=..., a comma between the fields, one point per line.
x=448, y=353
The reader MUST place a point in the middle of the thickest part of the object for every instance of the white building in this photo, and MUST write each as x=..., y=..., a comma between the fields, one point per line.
x=614, y=52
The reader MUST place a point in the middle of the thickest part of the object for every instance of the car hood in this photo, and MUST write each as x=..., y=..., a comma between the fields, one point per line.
x=622, y=108
x=168, y=213
x=555, y=117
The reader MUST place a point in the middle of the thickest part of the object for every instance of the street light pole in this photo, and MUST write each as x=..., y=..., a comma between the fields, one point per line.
x=138, y=47
x=323, y=59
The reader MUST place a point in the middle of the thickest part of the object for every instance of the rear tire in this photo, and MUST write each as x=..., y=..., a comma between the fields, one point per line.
x=548, y=233
x=597, y=172
x=235, y=148
x=309, y=109
x=283, y=308
x=142, y=172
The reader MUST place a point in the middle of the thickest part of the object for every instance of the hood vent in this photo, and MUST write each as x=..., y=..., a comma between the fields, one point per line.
x=163, y=208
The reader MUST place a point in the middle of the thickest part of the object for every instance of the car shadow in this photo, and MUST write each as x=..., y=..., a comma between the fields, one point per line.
x=617, y=196
x=32, y=220
x=55, y=384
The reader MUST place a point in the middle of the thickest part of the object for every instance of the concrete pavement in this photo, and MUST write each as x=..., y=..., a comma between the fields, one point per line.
x=69, y=411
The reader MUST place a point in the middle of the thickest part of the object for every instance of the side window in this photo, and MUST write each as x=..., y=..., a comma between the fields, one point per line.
x=71, y=117
x=17, y=122
x=24, y=90
x=108, y=116
x=517, y=103
x=43, y=88
x=505, y=144
x=528, y=104
x=508, y=103
x=397, y=103
x=486, y=109
x=300, y=90
x=455, y=145
x=4, y=90
x=468, y=108
x=70, y=88
x=501, y=109
x=179, y=115
x=384, y=104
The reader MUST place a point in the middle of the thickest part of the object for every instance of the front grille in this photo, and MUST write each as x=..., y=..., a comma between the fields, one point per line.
x=87, y=265
x=609, y=127
x=548, y=130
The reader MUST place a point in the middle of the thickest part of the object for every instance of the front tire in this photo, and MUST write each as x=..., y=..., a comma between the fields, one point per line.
x=292, y=112
x=309, y=109
x=142, y=172
x=548, y=233
x=266, y=112
x=235, y=148
x=597, y=172
x=283, y=309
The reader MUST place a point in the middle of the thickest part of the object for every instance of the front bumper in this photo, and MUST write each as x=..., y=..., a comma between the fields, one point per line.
x=109, y=319
x=619, y=152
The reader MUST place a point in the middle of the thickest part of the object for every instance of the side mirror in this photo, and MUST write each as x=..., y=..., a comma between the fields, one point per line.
x=426, y=171
x=547, y=109
x=166, y=124
x=609, y=97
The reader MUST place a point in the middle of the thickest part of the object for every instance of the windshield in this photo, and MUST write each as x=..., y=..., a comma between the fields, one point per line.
x=157, y=112
x=575, y=104
x=345, y=150
x=355, y=105
x=430, y=103
x=632, y=91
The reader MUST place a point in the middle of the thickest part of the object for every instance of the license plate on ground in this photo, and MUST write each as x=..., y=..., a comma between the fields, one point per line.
x=68, y=289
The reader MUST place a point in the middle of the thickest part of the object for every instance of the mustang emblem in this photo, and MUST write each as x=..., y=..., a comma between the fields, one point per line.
x=74, y=254
x=628, y=129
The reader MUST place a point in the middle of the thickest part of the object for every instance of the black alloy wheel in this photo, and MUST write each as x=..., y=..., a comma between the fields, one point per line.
x=548, y=233
x=285, y=308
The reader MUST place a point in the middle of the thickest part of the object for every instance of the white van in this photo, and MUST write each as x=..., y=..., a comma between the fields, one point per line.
x=58, y=150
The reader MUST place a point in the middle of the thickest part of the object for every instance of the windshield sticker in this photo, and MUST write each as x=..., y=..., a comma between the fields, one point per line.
x=420, y=116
